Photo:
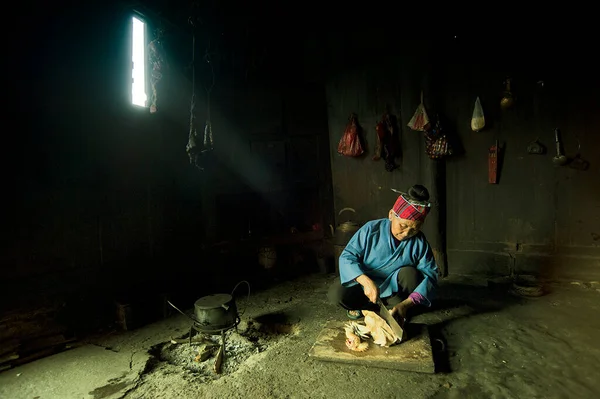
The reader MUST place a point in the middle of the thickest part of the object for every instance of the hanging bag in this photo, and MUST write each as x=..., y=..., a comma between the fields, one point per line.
x=350, y=145
x=420, y=119
x=478, y=119
x=437, y=144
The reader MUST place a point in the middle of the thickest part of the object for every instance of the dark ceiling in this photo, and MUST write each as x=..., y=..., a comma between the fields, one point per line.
x=250, y=29
x=227, y=18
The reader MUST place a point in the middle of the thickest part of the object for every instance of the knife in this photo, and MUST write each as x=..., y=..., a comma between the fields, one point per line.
x=389, y=318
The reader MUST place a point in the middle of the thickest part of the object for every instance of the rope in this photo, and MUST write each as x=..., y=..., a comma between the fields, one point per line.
x=209, y=89
x=193, y=101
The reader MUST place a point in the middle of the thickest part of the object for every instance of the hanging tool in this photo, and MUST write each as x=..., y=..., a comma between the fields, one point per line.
x=559, y=159
x=536, y=148
x=578, y=162
x=493, y=164
x=508, y=100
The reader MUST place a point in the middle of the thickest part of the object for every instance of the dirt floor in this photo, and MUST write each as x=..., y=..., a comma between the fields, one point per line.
x=497, y=345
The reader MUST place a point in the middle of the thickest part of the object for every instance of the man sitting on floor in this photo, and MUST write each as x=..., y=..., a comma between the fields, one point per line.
x=389, y=258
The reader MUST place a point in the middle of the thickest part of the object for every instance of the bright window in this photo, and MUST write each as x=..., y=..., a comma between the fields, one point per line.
x=138, y=63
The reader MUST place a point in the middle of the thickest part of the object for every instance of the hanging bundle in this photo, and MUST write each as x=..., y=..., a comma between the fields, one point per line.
x=193, y=149
x=192, y=146
x=208, y=137
x=420, y=119
x=156, y=59
x=208, y=142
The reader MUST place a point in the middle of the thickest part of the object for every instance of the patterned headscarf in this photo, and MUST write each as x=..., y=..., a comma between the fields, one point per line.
x=408, y=209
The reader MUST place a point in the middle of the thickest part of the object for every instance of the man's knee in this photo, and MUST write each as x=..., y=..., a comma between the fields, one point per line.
x=409, y=278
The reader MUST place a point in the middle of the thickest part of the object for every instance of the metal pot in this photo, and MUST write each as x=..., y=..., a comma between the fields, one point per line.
x=341, y=236
x=345, y=230
x=216, y=312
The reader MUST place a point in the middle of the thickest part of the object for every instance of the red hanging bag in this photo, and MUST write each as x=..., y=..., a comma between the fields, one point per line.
x=350, y=144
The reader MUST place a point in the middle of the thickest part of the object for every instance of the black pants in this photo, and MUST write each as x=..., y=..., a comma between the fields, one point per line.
x=354, y=298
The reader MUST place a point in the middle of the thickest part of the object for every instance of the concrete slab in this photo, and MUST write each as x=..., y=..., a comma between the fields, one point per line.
x=85, y=372
x=415, y=354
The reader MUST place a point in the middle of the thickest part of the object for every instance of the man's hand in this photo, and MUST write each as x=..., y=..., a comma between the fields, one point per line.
x=401, y=308
x=369, y=287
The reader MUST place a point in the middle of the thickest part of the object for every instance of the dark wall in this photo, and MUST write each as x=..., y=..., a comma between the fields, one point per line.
x=96, y=191
x=539, y=218
x=95, y=181
x=105, y=199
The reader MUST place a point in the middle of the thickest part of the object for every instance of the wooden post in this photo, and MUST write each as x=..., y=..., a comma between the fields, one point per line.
x=434, y=178
x=433, y=175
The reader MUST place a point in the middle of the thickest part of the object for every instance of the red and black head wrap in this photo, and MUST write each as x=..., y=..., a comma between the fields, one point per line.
x=413, y=205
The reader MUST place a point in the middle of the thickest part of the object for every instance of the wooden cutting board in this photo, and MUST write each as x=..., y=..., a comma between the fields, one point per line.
x=414, y=354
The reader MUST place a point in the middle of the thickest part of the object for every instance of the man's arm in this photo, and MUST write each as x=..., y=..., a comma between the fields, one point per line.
x=351, y=266
x=352, y=256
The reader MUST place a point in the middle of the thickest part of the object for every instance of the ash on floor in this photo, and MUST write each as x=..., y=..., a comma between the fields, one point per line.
x=237, y=349
x=250, y=338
